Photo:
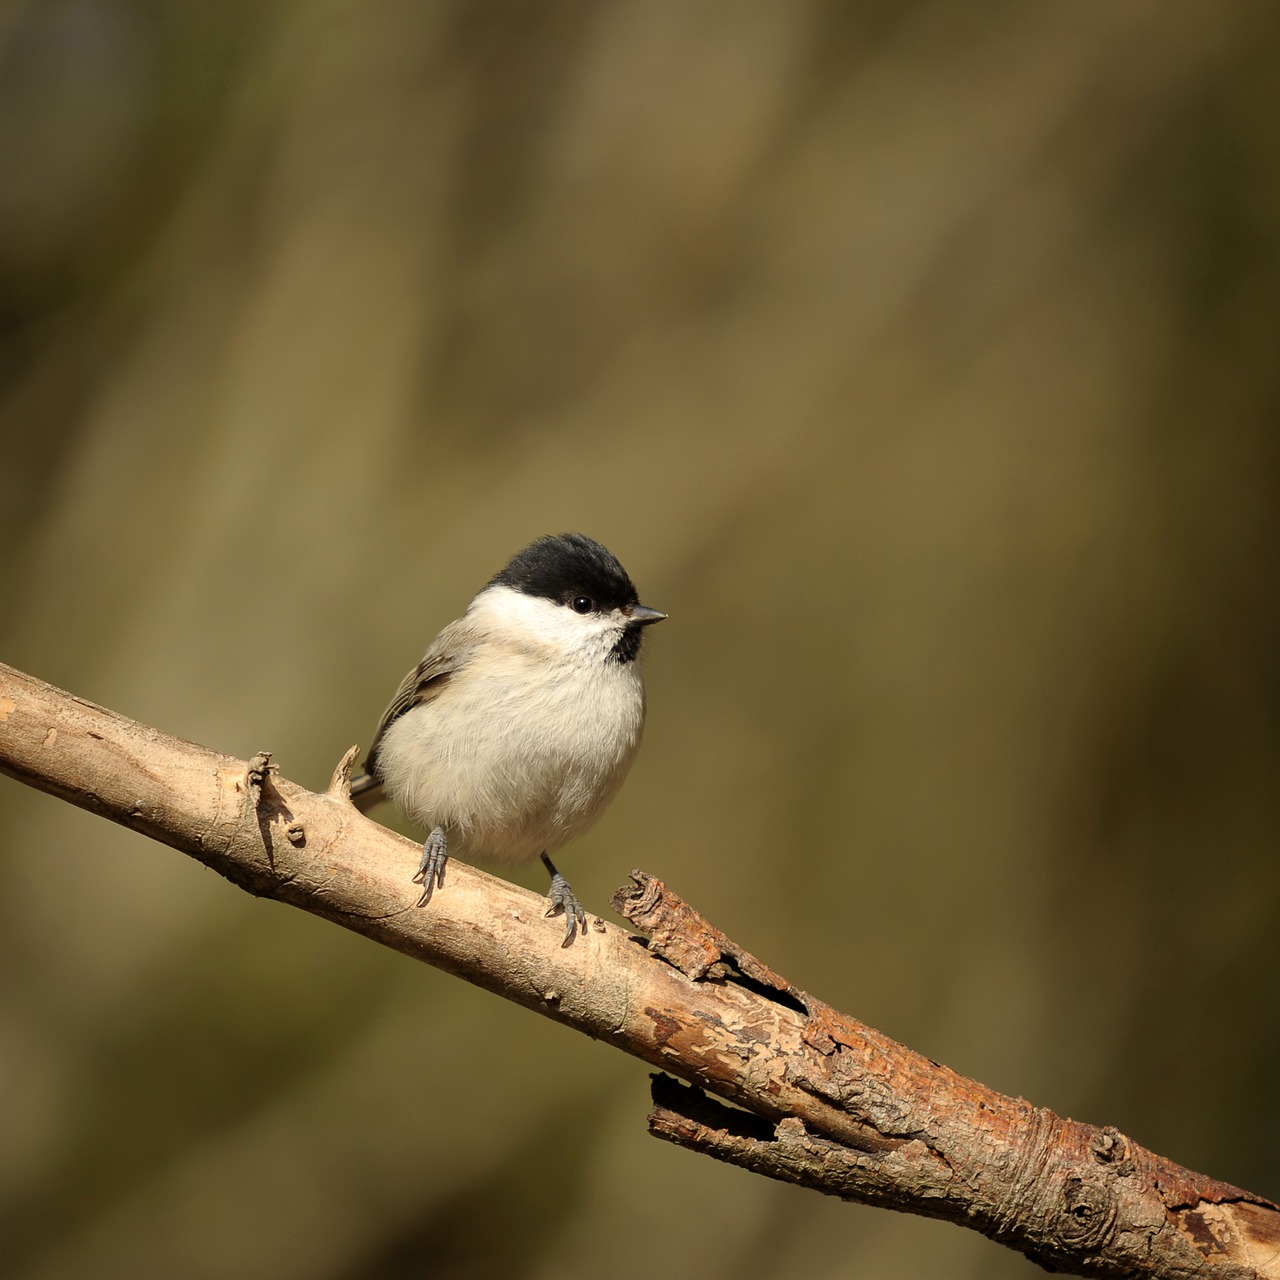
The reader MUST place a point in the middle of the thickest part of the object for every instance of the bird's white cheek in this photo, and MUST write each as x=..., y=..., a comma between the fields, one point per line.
x=538, y=623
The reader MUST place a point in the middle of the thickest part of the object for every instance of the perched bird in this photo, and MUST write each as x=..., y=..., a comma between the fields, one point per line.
x=518, y=727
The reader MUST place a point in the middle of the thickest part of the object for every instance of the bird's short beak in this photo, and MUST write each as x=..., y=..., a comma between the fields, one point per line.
x=642, y=615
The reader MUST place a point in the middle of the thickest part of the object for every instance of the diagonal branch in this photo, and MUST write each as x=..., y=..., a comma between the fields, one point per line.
x=821, y=1099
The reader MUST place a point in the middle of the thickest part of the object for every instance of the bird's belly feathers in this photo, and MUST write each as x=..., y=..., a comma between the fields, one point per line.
x=513, y=767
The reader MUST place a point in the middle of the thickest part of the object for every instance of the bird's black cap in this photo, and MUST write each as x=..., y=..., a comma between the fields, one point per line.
x=565, y=566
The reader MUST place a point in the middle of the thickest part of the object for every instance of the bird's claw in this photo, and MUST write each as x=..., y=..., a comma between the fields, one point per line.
x=435, y=856
x=563, y=899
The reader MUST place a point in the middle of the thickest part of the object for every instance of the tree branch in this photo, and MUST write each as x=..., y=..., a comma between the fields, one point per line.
x=821, y=1099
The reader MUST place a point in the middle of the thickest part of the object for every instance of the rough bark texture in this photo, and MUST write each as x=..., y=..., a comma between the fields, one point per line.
x=825, y=1101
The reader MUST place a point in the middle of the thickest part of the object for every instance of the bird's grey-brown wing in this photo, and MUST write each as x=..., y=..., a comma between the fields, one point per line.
x=449, y=652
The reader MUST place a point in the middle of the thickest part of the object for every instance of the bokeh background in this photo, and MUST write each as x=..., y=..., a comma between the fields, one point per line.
x=920, y=359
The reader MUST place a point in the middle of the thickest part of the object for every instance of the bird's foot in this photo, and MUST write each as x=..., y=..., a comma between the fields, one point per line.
x=435, y=855
x=564, y=901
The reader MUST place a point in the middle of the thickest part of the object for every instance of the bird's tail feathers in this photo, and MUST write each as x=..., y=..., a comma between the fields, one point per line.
x=366, y=791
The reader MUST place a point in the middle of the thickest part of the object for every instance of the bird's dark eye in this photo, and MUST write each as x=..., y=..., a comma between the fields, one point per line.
x=582, y=604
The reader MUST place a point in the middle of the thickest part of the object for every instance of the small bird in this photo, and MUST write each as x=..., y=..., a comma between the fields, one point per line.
x=519, y=725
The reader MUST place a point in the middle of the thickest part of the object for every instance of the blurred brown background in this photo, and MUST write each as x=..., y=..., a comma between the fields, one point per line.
x=920, y=359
